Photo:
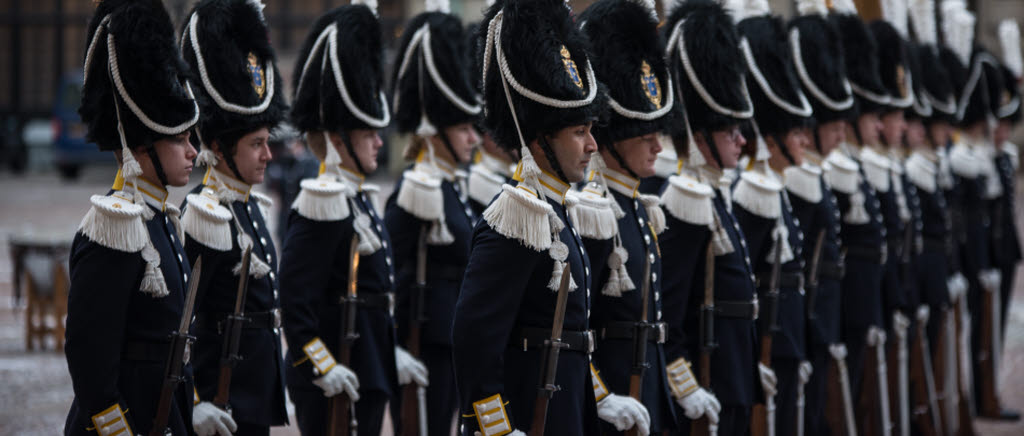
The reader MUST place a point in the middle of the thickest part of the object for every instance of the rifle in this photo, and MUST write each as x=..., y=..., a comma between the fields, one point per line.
x=229, y=356
x=811, y=291
x=763, y=422
x=414, y=401
x=944, y=370
x=839, y=404
x=640, y=333
x=341, y=419
x=703, y=426
x=965, y=387
x=180, y=339
x=988, y=354
x=549, y=359
x=926, y=403
x=901, y=376
x=874, y=398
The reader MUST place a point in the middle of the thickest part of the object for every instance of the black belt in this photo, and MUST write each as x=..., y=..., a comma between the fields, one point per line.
x=786, y=280
x=384, y=300
x=936, y=245
x=253, y=320
x=145, y=351
x=529, y=337
x=736, y=309
x=874, y=254
x=656, y=331
x=831, y=270
x=437, y=272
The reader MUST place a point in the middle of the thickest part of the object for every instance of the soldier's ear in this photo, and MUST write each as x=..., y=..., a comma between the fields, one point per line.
x=215, y=146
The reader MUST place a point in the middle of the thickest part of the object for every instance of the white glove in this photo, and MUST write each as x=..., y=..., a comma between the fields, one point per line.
x=514, y=433
x=804, y=371
x=210, y=420
x=624, y=412
x=957, y=285
x=339, y=379
x=409, y=368
x=768, y=380
x=700, y=402
x=990, y=278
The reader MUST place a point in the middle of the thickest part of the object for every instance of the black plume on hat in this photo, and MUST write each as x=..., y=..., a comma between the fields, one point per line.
x=152, y=100
x=629, y=58
x=238, y=86
x=344, y=43
x=449, y=59
x=711, y=43
x=547, y=56
x=819, y=62
x=934, y=83
x=861, y=55
x=893, y=63
x=786, y=108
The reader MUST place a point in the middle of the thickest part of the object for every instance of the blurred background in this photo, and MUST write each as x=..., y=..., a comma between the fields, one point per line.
x=48, y=171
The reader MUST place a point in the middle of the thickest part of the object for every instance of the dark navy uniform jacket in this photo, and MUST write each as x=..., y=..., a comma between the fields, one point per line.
x=257, y=382
x=932, y=264
x=118, y=336
x=971, y=213
x=912, y=248
x=1006, y=251
x=864, y=241
x=505, y=289
x=789, y=341
x=684, y=246
x=445, y=263
x=815, y=217
x=880, y=176
x=613, y=358
x=315, y=272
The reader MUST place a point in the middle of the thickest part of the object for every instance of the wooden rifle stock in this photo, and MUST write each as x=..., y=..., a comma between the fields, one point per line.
x=413, y=420
x=180, y=340
x=964, y=385
x=925, y=411
x=229, y=356
x=762, y=416
x=341, y=417
x=549, y=359
x=702, y=426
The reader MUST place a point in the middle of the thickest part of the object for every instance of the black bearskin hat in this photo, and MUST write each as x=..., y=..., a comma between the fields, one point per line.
x=819, y=61
x=935, y=84
x=339, y=74
x=142, y=80
x=779, y=103
x=893, y=62
x=979, y=97
x=861, y=54
x=1009, y=98
x=239, y=89
x=449, y=97
x=545, y=57
x=704, y=32
x=629, y=58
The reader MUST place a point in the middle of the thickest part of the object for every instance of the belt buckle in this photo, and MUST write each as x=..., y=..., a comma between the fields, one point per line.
x=757, y=308
x=276, y=314
x=662, y=332
x=590, y=341
x=884, y=253
x=391, y=302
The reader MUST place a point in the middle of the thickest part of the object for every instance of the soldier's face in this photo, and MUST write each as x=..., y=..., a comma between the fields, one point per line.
x=365, y=144
x=639, y=152
x=939, y=133
x=868, y=124
x=572, y=146
x=916, y=134
x=729, y=144
x=893, y=127
x=796, y=140
x=1002, y=133
x=463, y=138
x=830, y=135
x=175, y=154
x=252, y=153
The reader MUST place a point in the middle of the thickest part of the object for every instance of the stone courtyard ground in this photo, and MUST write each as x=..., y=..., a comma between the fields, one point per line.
x=35, y=389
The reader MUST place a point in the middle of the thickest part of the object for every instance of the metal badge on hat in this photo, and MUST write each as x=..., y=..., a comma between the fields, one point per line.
x=256, y=71
x=652, y=88
x=570, y=67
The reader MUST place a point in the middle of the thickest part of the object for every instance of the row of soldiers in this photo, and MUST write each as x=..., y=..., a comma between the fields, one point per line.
x=789, y=228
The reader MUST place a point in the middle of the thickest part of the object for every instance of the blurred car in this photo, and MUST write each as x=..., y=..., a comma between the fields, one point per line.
x=71, y=150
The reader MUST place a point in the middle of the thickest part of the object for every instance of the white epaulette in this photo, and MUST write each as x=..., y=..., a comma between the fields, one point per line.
x=922, y=172
x=1012, y=150
x=876, y=169
x=689, y=200
x=323, y=199
x=421, y=195
x=518, y=214
x=591, y=213
x=842, y=174
x=115, y=223
x=207, y=221
x=758, y=193
x=804, y=181
x=964, y=162
x=484, y=184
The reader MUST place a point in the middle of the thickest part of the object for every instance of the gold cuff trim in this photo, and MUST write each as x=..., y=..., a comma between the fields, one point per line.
x=680, y=378
x=491, y=416
x=111, y=422
x=600, y=390
x=319, y=356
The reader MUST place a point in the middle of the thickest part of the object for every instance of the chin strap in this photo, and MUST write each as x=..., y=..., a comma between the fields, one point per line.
x=622, y=162
x=712, y=147
x=549, y=153
x=782, y=147
x=160, y=174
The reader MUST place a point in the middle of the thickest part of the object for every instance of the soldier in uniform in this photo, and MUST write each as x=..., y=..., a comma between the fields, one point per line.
x=428, y=214
x=340, y=105
x=225, y=43
x=1007, y=247
x=702, y=233
x=541, y=97
x=620, y=225
x=765, y=209
x=128, y=270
